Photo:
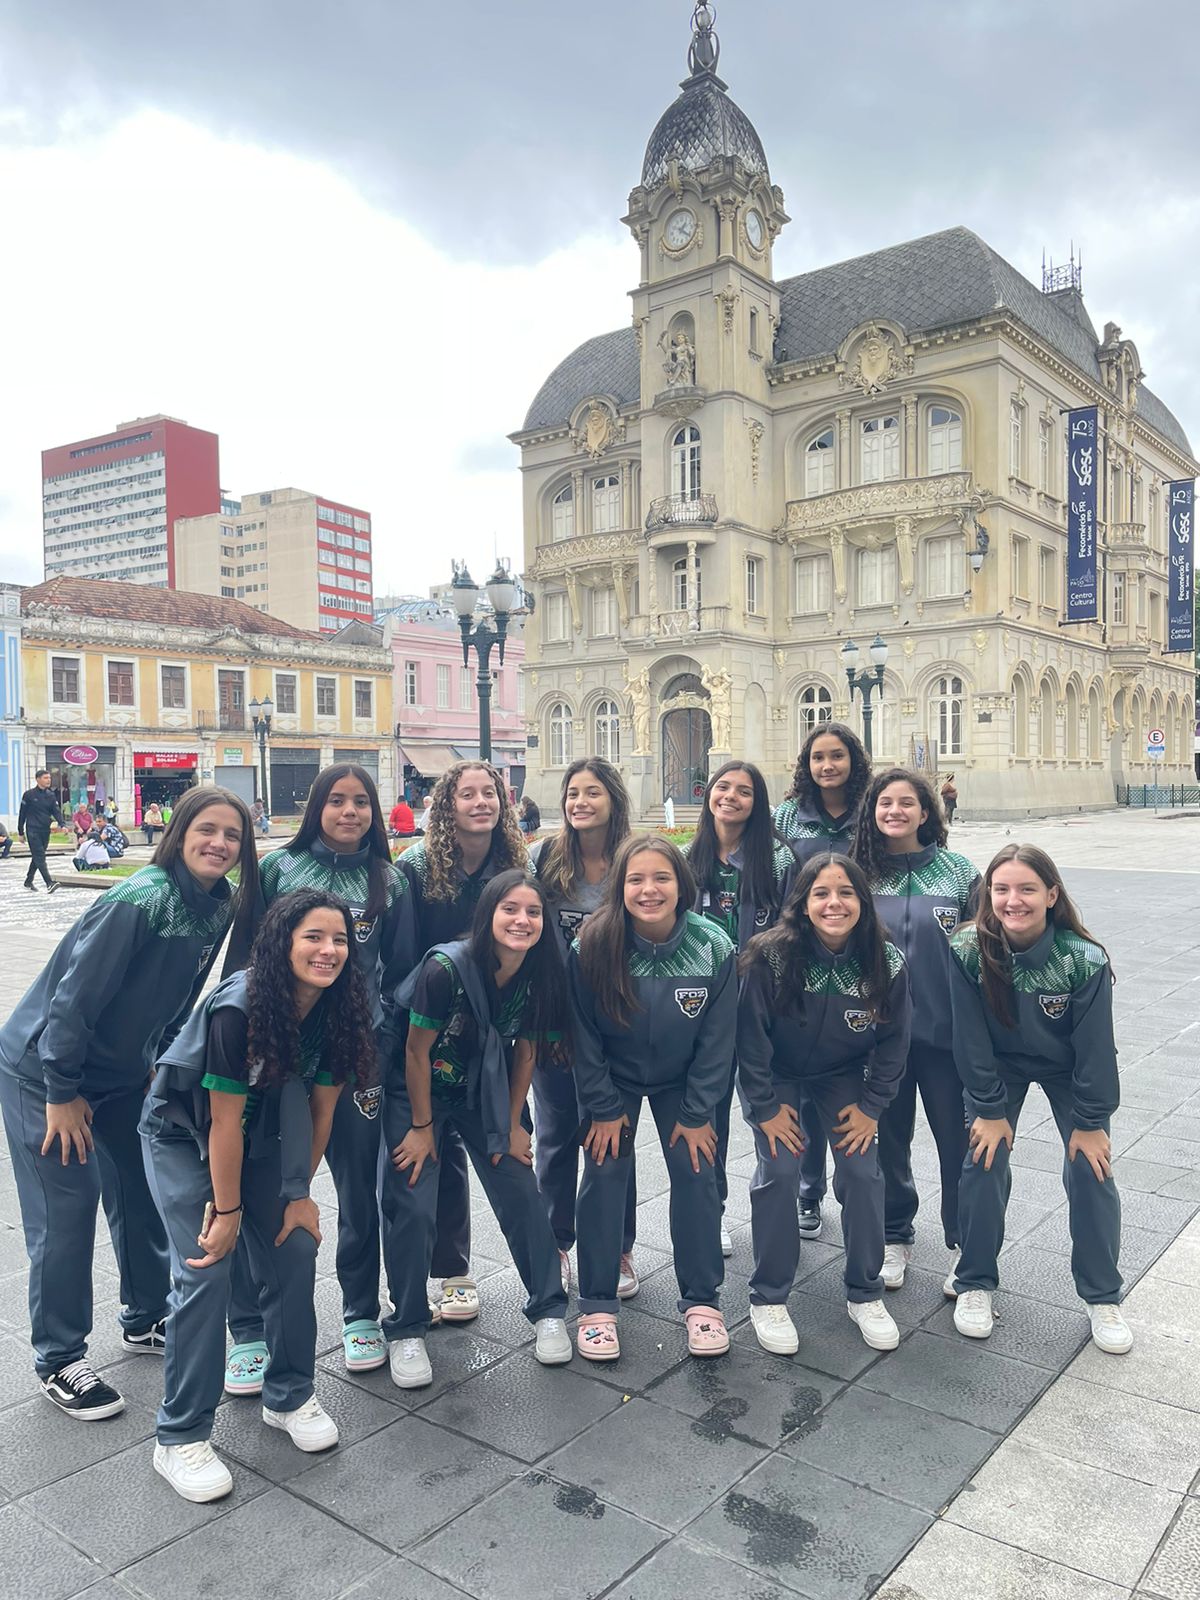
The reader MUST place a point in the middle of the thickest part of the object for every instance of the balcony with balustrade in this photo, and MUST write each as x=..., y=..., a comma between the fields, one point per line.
x=676, y=519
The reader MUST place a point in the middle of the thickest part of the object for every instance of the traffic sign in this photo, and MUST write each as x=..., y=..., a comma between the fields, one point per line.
x=1156, y=736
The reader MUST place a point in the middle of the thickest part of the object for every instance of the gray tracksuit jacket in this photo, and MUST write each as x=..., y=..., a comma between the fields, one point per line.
x=921, y=899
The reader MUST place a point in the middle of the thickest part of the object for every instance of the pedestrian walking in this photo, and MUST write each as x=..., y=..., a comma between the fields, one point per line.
x=922, y=892
x=75, y=1056
x=236, y=1121
x=655, y=1008
x=825, y=1003
x=949, y=796
x=1031, y=992
x=480, y=1010
x=39, y=809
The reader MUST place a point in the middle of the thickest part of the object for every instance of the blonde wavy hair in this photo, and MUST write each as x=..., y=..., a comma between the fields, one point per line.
x=443, y=857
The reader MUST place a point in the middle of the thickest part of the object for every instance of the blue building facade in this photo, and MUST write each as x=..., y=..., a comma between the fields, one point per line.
x=12, y=727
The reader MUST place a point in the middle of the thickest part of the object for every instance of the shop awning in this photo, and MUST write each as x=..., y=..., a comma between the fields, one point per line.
x=430, y=760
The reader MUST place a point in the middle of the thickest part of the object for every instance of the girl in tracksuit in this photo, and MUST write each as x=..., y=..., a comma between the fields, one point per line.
x=825, y=1005
x=573, y=866
x=819, y=814
x=741, y=870
x=1031, y=994
x=75, y=1056
x=655, y=1008
x=471, y=836
x=922, y=892
x=480, y=1010
x=341, y=848
x=237, y=1118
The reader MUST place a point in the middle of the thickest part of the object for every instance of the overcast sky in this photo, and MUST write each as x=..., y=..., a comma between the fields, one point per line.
x=352, y=236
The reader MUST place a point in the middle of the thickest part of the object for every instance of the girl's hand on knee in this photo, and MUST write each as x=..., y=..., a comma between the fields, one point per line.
x=987, y=1135
x=414, y=1150
x=72, y=1124
x=783, y=1129
x=520, y=1147
x=220, y=1239
x=300, y=1214
x=700, y=1142
x=857, y=1131
x=604, y=1139
x=1094, y=1144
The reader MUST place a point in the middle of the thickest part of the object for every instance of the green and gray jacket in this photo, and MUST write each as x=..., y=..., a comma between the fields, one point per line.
x=443, y=921
x=1062, y=993
x=921, y=899
x=808, y=829
x=721, y=899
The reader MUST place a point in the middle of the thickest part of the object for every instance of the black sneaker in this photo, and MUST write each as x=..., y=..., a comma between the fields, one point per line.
x=810, y=1217
x=32, y=887
x=52, y=886
x=151, y=1343
x=78, y=1391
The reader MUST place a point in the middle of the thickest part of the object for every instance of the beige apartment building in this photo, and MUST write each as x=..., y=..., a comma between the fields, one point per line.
x=286, y=552
x=719, y=496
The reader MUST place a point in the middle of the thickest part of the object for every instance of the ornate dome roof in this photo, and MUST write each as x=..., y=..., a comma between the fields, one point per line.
x=699, y=128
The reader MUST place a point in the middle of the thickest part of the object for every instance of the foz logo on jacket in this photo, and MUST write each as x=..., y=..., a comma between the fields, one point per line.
x=762, y=916
x=369, y=1102
x=691, y=1001
x=569, y=923
x=364, y=927
x=947, y=918
x=1054, y=1005
x=204, y=958
x=858, y=1021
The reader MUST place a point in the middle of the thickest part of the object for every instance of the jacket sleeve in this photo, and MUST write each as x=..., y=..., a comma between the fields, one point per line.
x=177, y=1021
x=22, y=814
x=755, y=1048
x=56, y=813
x=890, y=1052
x=241, y=939
x=973, y=1053
x=103, y=953
x=398, y=945
x=1096, y=1089
x=712, y=1060
x=597, y=1094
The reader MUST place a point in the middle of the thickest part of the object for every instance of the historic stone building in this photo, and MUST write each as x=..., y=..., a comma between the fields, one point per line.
x=719, y=496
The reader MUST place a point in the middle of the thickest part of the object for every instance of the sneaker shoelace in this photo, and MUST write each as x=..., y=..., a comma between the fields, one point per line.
x=776, y=1315
x=873, y=1309
x=309, y=1411
x=410, y=1349
x=552, y=1327
x=973, y=1300
x=1109, y=1316
x=79, y=1376
x=197, y=1454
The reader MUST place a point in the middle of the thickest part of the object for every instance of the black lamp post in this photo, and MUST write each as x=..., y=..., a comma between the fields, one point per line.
x=260, y=716
x=865, y=682
x=501, y=592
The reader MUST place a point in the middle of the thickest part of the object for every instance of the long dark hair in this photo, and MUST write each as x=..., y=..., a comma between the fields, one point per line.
x=170, y=848
x=758, y=841
x=273, y=1035
x=995, y=952
x=443, y=855
x=560, y=864
x=807, y=791
x=870, y=846
x=791, y=947
x=604, y=937
x=549, y=1010
x=379, y=864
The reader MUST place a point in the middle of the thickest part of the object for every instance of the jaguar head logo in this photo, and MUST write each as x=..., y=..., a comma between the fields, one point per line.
x=858, y=1021
x=364, y=927
x=1054, y=1005
x=947, y=918
x=762, y=916
x=369, y=1102
x=691, y=1002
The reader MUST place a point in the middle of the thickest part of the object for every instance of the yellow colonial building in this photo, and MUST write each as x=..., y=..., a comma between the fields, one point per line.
x=135, y=693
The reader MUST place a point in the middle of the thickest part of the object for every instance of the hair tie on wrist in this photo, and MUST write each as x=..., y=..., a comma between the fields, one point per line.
x=419, y=1125
x=232, y=1212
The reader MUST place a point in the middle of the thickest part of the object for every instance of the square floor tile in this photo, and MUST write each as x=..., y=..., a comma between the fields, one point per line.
x=39, y=1445
x=960, y=1380
x=683, y=1571
x=650, y=1349
x=240, y=1432
x=749, y=1393
x=524, y=1409
x=934, y=1570
x=36, y=1564
x=456, y=1353
x=1030, y=1330
x=829, y=1341
x=1175, y=1573
x=1132, y=1437
x=920, y=1296
x=398, y=1580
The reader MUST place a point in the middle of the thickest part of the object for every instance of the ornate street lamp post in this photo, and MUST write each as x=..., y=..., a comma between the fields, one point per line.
x=501, y=593
x=866, y=682
x=260, y=715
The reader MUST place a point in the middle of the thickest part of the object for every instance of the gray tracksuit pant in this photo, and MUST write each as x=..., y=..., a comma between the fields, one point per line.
x=857, y=1186
x=556, y=1122
x=194, y=1370
x=58, y=1213
x=695, y=1214
x=933, y=1072
x=411, y=1218
x=1094, y=1208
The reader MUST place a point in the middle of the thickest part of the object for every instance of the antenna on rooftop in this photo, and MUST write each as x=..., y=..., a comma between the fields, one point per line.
x=1057, y=278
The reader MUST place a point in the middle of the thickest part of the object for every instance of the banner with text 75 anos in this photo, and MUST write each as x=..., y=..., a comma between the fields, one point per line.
x=1083, y=474
x=1181, y=565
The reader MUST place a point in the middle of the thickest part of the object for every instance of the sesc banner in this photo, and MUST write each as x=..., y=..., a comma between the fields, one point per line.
x=1181, y=565
x=1083, y=473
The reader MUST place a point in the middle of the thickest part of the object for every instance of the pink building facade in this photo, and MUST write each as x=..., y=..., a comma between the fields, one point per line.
x=436, y=702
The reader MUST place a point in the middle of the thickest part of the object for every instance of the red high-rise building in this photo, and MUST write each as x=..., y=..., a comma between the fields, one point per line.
x=110, y=504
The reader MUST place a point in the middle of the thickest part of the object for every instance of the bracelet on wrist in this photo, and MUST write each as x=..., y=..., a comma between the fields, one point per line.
x=232, y=1212
x=418, y=1126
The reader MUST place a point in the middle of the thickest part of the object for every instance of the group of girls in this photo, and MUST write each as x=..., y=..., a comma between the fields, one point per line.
x=827, y=961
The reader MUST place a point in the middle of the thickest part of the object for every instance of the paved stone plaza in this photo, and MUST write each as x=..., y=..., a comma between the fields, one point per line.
x=946, y=1470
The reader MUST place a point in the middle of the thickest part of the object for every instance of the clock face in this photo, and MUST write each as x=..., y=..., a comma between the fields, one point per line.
x=681, y=225
x=755, y=229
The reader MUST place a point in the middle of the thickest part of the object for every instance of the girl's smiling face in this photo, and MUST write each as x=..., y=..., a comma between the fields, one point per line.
x=212, y=844
x=346, y=815
x=899, y=816
x=731, y=799
x=319, y=947
x=1021, y=902
x=829, y=762
x=476, y=803
x=651, y=893
x=588, y=803
x=833, y=907
x=517, y=920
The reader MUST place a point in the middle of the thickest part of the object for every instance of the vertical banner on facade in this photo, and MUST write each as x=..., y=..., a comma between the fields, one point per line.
x=1083, y=474
x=1181, y=565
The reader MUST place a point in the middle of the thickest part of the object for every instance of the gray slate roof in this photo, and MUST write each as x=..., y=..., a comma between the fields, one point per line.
x=700, y=127
x=939, y=281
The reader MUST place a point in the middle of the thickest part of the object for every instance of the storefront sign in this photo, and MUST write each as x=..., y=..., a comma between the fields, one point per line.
x=165, y=760
x=81, y=755
x=1083, y=473
x=232, y=758
x=1181, y=565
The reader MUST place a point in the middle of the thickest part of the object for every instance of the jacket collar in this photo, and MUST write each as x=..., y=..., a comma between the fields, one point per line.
x=195, y=896
x=660, y=952
x=912, y=861
x=1037, y=954
x=339, y=860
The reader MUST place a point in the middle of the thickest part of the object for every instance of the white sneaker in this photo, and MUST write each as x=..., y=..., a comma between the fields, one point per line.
x=874, y=1323
x=726, y=1242
x=775, y=1330
x=948, y=1288
x=895, y=1261
x=564, y=1258
x=973, y=1313
x=194, y=1471
x=628, y=1282
x=309, y=1427
x=433, y=1295
x=1110, y=1332
x=552, y=1346
x=409, y=1363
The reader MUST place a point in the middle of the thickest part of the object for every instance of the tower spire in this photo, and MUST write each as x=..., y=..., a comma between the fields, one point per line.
x=705, y=49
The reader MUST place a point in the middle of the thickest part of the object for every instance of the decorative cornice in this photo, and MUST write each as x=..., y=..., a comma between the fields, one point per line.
x=81, y=632
x=909, y=497
x=596, y=549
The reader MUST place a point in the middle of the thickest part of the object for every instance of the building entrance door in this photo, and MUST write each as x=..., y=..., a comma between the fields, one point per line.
x=686, y=740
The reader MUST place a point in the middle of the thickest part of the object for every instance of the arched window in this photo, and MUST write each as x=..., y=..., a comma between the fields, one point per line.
x=945, y=440
x=880, y=439
x=560, y=731
x=606, y=729
x=947, y=705
x=820, y=462
x=606, y=504
x=1072, y=723
x=679, y=584
x=685, y=462
x=1019, y=728
x=814, y=705
x=1049, y=736
x=563, y=513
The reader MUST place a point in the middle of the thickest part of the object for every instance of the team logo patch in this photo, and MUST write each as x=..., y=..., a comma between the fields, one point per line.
x=691, y=1001
x=947, y=918
x=369, y=1102
x=204, y=958
x=1054, y=1005
x=570, y=922
x=858, y=1021
x=364, y=927
x=726, y=900
x=762, y=916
